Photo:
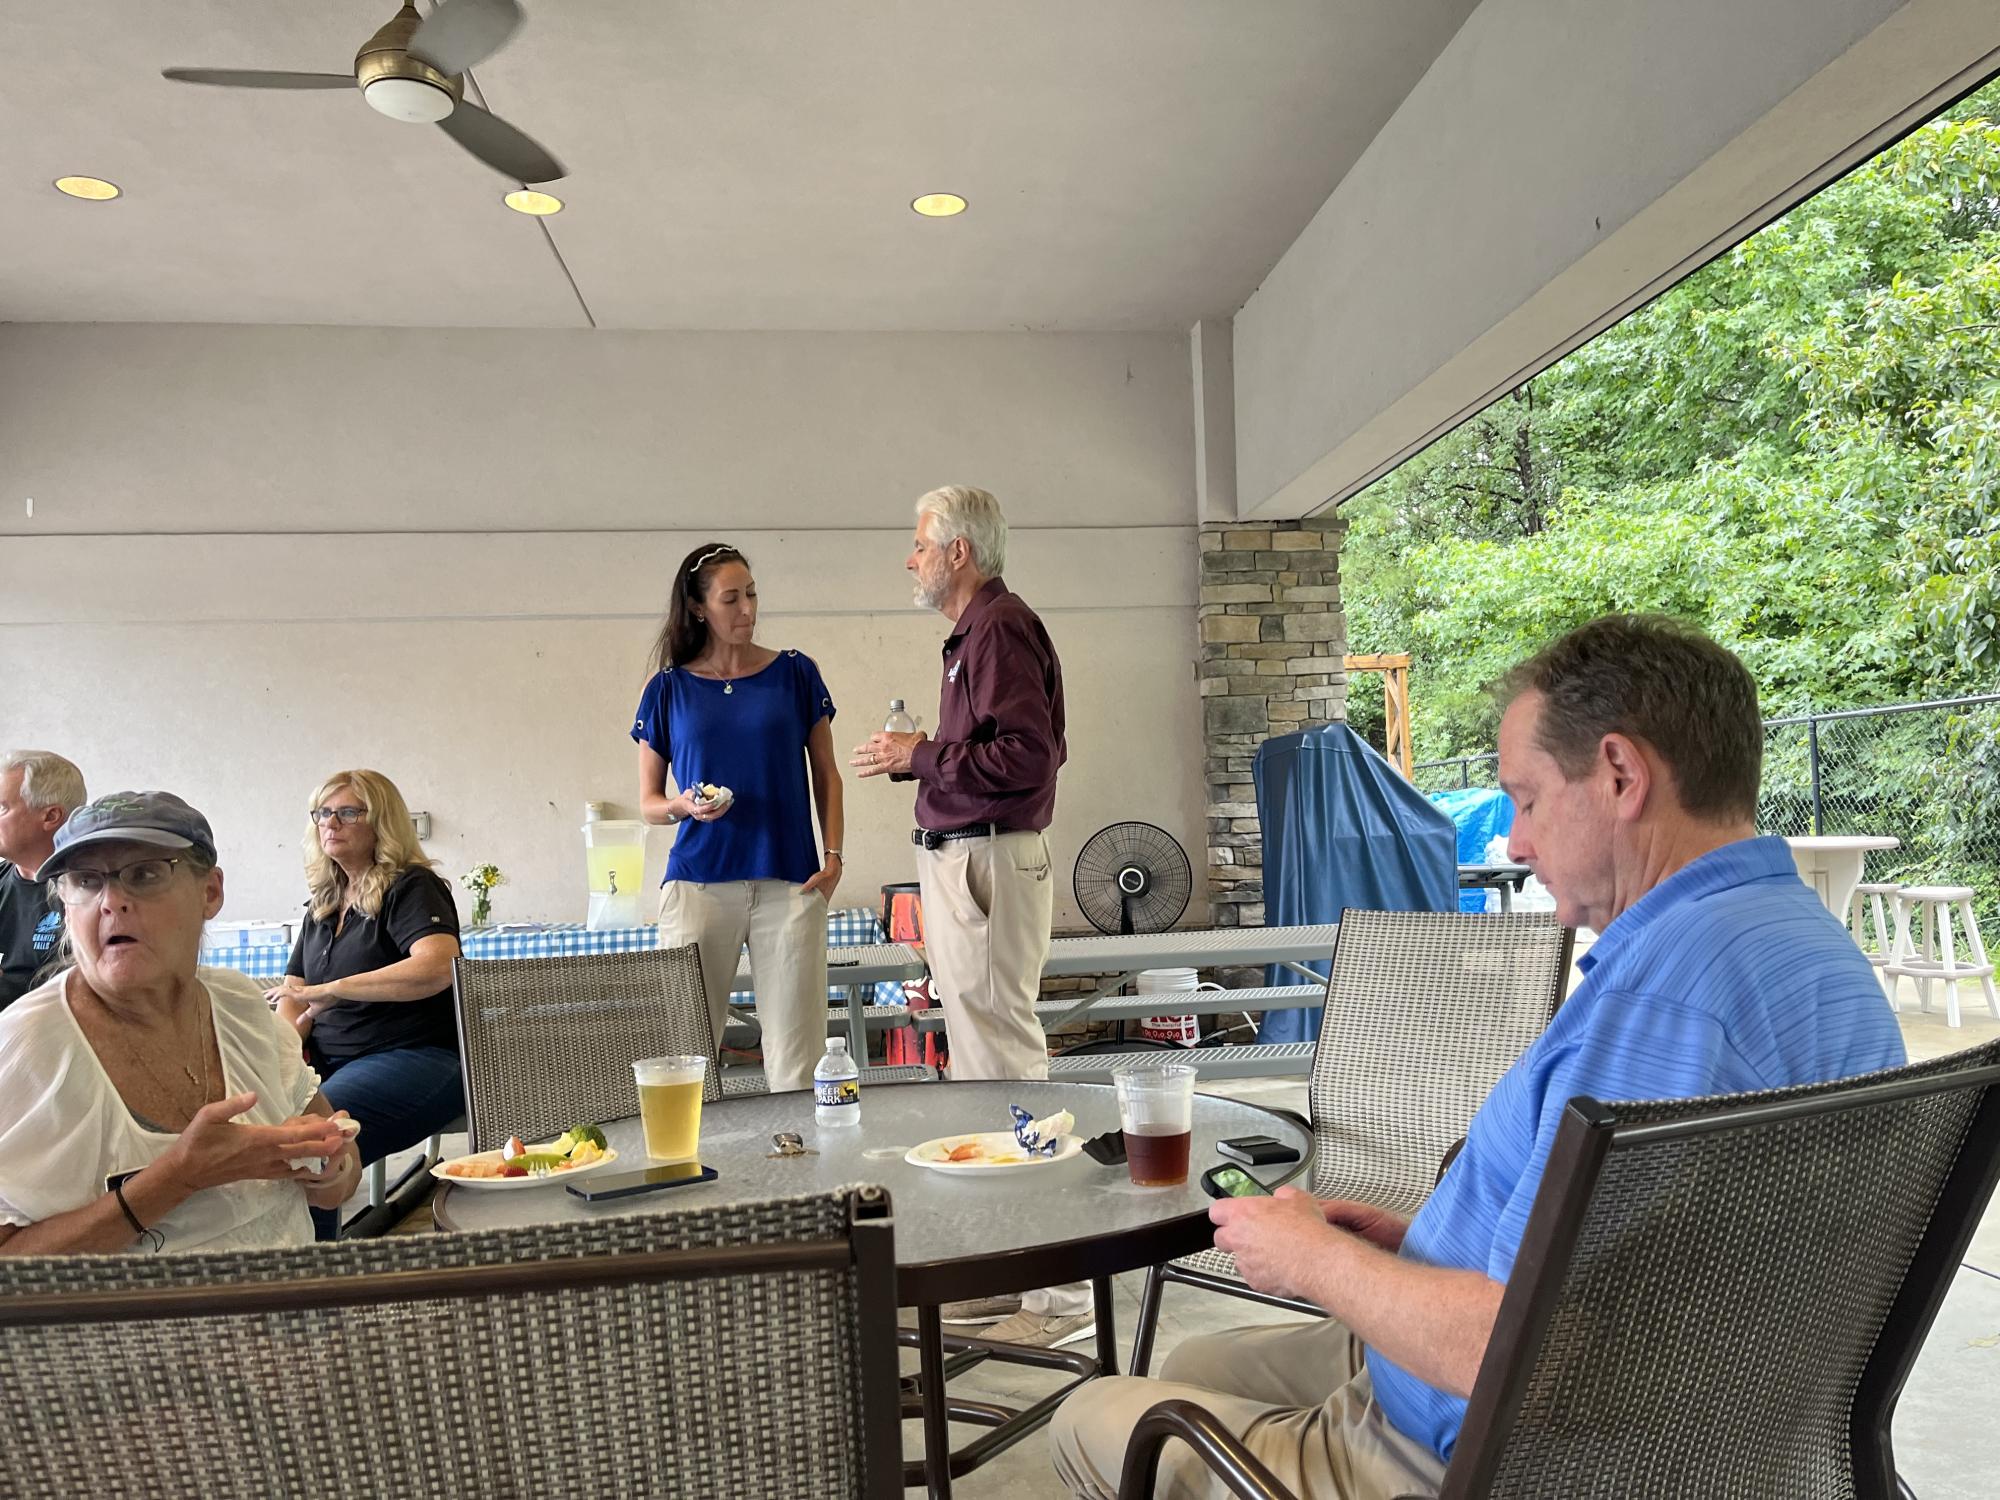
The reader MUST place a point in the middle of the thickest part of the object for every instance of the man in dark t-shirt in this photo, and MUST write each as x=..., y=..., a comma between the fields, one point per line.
x=37, y=791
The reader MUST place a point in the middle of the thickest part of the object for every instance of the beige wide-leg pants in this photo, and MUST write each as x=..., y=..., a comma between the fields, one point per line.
x=1297, y=1394
x=988, y=906
x=785, y=926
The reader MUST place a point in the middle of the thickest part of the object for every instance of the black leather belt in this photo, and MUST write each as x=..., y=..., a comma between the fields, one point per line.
x=931, y=838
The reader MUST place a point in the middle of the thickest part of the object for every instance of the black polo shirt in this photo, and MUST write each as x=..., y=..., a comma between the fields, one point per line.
x=31, y=925
x=418, y=905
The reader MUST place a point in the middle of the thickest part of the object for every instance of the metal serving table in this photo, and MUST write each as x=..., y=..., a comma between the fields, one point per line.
x=1506, y=879
x=1199, y=948
x=955, y=1237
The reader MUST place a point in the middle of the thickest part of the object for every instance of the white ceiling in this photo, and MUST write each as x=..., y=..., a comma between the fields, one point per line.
x=735, y=164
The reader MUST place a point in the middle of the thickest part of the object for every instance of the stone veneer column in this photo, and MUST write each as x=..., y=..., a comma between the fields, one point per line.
x=1273, y=639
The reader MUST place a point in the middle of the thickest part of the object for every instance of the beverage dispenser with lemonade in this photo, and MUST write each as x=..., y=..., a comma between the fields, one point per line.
x=614, y=851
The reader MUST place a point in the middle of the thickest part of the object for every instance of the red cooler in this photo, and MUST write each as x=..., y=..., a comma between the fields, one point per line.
x=903, y=922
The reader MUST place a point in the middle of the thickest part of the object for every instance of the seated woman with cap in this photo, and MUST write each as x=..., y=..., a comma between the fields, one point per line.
x=146, y=1102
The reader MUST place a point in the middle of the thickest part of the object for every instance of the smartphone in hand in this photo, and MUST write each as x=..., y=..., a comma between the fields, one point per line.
x=1232, y=1182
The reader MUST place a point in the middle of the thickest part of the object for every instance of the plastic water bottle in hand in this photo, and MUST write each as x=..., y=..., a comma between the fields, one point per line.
x=899, y=721
x=836, y=1086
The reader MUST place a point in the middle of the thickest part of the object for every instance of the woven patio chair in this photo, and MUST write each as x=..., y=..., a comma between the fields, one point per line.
x=1424, y=1012
x=746, y=1350
x=549, y=1042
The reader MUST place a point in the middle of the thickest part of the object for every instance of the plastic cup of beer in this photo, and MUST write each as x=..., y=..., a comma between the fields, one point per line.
x=1156, y=1112
x=670, y=1105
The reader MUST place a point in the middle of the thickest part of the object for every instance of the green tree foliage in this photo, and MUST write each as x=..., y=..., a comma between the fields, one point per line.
x=1798, y=446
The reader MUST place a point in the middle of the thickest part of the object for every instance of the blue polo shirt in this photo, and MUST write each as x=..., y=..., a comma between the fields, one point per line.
x=1727, y=976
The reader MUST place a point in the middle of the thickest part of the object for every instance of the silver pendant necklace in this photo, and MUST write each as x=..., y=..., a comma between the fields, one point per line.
x=728, y=683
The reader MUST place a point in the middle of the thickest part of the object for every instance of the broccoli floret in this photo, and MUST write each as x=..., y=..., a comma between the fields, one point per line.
x=576, y=1135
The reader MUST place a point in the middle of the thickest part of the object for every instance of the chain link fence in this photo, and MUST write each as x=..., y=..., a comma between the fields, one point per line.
x=1925, y=773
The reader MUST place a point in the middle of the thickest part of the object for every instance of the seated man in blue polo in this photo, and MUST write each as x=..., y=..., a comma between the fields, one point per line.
x=1632, y=750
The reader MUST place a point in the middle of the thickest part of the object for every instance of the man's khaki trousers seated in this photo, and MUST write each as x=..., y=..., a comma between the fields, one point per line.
x=1295, y=1393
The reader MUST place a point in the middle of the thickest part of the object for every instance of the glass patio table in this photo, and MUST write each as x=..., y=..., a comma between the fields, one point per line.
x=957, y=1236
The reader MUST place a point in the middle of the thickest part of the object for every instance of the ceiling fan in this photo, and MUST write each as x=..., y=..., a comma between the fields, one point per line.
x=413, y=69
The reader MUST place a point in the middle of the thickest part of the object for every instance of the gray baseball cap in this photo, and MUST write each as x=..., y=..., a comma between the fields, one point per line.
x=157, y=818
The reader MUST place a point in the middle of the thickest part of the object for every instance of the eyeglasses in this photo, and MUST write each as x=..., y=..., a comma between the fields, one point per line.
x=141, y=880
x=347, y=815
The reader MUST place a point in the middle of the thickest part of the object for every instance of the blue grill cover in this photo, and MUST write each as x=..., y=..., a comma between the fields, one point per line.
x=1343, y=828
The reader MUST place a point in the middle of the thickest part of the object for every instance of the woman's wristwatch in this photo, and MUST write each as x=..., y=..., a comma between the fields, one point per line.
x=836, y=854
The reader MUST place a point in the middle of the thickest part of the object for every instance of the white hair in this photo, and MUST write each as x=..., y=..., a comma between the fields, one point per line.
x=47, y=780
x=958, y=511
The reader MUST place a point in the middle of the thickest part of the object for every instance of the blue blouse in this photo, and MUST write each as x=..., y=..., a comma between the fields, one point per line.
x=750, y=736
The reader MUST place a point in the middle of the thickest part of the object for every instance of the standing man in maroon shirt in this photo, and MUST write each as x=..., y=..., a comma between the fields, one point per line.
x=986, y=790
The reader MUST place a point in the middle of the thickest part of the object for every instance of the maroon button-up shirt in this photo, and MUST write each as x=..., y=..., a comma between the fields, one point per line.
x=999, y=738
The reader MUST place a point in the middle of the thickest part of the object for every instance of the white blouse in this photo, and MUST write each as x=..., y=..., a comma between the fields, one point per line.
x=65, y=1130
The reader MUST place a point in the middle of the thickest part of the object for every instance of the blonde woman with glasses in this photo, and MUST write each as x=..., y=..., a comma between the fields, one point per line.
x=369, y=984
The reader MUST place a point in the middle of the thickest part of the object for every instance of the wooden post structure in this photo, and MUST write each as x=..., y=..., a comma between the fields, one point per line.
x=1395, y=672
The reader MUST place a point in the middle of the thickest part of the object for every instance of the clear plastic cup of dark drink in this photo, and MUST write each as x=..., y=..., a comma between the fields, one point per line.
x=1157, y=1160
x=1156, y=1112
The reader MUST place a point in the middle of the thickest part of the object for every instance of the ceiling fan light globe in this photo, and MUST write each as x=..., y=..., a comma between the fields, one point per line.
x=412, y=100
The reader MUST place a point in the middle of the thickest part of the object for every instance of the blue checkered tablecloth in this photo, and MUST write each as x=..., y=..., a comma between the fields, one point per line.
x=851, y=926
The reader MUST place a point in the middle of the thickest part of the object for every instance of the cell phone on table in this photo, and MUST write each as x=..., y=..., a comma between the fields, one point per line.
x=1257, y=1150
x=1224, y=1182
x=604, y=1186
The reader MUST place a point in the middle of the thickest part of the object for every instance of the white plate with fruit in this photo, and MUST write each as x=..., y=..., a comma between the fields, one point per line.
x=577, y=1152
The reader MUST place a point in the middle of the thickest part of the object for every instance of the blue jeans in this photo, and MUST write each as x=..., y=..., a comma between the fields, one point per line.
x=400, y=1097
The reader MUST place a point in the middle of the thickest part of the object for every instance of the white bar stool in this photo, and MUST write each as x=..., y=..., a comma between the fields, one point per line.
x=1934, y=905
x=1872, y=927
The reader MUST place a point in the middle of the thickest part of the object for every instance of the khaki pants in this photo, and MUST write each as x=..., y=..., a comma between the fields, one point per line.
x=785, y=927
x=1298, y=1396
x=988, y=906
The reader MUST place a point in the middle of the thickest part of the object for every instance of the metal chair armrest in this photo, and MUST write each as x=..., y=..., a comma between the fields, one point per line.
x=1294, y=1116
x=1235, y=1465
x=1450, y=1156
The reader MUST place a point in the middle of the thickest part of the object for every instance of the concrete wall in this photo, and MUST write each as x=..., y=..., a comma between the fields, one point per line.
x=261, y=554
x=1562, y=161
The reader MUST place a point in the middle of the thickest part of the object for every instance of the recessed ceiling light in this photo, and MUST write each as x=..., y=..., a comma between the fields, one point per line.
x=938, y=205
x=528, y=201
x=96, y=189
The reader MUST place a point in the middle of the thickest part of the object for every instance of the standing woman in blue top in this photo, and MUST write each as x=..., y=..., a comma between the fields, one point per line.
x=723, y=710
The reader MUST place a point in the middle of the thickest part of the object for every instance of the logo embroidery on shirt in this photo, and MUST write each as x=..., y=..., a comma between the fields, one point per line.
x=952, y=675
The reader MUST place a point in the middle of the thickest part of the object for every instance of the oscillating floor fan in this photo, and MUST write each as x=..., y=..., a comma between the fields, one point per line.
x=1133, y=877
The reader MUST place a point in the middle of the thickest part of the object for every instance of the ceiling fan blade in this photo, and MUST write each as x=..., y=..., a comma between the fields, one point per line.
x=498, y=144
x=250, y=78
x=461, y=33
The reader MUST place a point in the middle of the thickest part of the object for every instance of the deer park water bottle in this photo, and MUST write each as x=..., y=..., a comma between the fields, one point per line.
x=836, y=1086
x=899, y=721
